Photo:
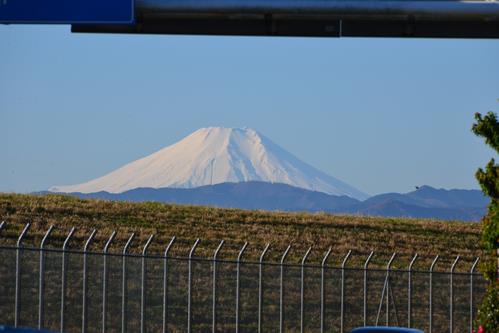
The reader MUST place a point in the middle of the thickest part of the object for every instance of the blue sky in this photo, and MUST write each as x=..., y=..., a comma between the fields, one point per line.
x=381, y=114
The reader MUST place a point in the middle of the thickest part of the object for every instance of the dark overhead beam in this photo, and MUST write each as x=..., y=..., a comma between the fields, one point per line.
x=320, y=18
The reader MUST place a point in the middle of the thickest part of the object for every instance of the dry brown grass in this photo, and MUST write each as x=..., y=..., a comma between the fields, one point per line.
x=359, y=233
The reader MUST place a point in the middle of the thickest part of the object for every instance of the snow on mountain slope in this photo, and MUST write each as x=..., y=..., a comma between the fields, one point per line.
x=216, y=155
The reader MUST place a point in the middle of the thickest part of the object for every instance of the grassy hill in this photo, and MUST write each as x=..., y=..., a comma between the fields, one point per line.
x=359, y=233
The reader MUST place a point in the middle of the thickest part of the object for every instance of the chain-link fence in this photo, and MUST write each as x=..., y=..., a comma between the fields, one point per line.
x=84, y=291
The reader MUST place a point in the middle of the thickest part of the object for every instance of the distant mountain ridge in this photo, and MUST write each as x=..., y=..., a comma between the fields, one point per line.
x=425, y=202
x=216, y=155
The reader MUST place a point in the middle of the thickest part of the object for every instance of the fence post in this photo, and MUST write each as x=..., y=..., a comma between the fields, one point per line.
x=281, y=291
x=41, y=279
x=451, y=299
x=472, y=271
x=189, y=287
x=124, y=285
x=409, y=291
x=143, y=286
x=388, y=270
x=260, y=287
x=238, y=284
x=323, y=296
x=63, y=278
x=302, y=290
x=18, y=275
x=165, y=285
x=104, y=281
x=85, y=277
x=214, y=305
x=366, y=264
x=431, y=292
x=343, y=290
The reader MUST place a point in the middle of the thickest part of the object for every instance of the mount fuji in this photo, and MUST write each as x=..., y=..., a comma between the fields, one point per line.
x=216, y=155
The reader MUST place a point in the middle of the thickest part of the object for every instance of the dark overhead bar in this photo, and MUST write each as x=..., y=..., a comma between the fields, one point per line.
x=312, y=18
x=426, y=8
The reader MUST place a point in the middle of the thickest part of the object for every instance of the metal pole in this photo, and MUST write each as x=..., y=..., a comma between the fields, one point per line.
x=143, y=288
x=260, y=287
x=124, y=285
x=214, y=305
x=189, y=287
x=431, y=292
x=323, y=296
x=281, y=292
x=472, y=271
x=343, y=289
x=366, y=264
x=41, y=279
x=85, y=277
x=451, y=300
x=409, y=291
x=18, y=275
x=388, y=269
x=165, y=285
x=302, y=290
x=381, y=301
x=238, y=284
x=104, y=281
x=63, y=278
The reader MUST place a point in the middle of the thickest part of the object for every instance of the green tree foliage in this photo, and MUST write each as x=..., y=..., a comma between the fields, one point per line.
x=488, y=314
x=488, y=128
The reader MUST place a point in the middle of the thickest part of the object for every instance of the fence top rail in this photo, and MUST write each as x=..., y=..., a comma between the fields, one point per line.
x=264, y=252
x=215, y=256
x=366, y=263
x=285, y=254
x=454, y=264
x=149, y=240
x=413, y=261
x=474, y=264
x=434, y=262
x=230, y=261
x=89, y=240
x=343, y=264
x=390, y=262
x=242, y=251
x=326, y=256
x=128, y=243
x=306, y=256
x=217, y=250
x=68, y=238
x=169, y=246
x=109, y=241
x=46, y=236
x=191, y=252
x=23, y=233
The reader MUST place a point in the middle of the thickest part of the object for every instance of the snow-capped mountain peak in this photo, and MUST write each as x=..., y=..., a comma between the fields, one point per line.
x=216, y=155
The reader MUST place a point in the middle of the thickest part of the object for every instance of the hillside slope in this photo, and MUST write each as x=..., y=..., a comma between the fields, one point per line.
x=360, y=234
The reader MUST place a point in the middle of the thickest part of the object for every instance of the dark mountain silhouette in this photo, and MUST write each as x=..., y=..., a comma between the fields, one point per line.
x=425, y=202
x=247, y=195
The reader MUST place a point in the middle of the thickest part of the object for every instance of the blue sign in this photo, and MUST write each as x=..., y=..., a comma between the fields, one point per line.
x=67, y=11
